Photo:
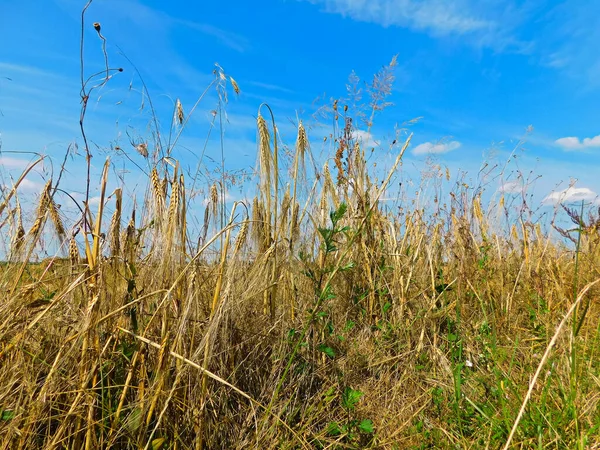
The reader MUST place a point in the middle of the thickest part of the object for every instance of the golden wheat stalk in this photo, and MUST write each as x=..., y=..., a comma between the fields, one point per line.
x=56, y=220
x=264, y=159
x=41, y=212
x=214, y=200
x=240, y=240
x=129, y=239
x=157, y=191
x=259, y=225
x=19, y=237
x=235, y=86
x=172, y=215
x=93, y=252
x=73, y=252
x=115, y=224
x=301, y=149
x=182, y=215
x=179, y=115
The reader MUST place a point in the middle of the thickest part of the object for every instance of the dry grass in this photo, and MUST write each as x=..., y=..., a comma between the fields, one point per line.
x=325, y=320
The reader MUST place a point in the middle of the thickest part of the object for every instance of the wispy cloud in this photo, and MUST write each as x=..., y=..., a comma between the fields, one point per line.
x=365, y=138
x=13, y=163
x=269, y=87
x=27, y=186
x=435, y=148
x=9, y=68
x=574, y=143
x=227, y=38
x=570, y=195
x=512, y=187
x=568, y=41
x=486, y=23
x=563, y=36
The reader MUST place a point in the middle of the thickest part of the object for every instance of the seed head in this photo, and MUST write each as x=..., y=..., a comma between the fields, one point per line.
x=241, y=238
x=179, y=112
x=142, y=149
x=235, y=86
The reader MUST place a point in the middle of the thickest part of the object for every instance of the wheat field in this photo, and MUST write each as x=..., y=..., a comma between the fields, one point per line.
x=314, y=315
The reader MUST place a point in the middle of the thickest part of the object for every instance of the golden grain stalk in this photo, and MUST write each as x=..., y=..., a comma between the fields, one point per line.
x=179, y=116
x=115, y=224
x=235, y=86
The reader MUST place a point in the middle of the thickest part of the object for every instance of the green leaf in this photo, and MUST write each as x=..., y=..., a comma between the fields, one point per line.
x=325, y=232
x=134, y=421
x=351, y=397
x=158, y=443
x=7, y=414
x=339, y=213
x=329, y=394
x=334, y=429
x=349, y=325
x=329, y=328
x=366, y=426
x=327, y=350
x=347, y=267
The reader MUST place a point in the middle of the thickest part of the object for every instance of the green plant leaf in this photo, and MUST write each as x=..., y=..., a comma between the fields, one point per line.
x=7, y=414
x=366, y=426
x=347, y=267
x=351, y=397
x=387, y=307
x=334, y=429
x=349, y=325
x=158, y=443
x=134, y=420
x=325, y=232
x=339, y=213
x=327, y=350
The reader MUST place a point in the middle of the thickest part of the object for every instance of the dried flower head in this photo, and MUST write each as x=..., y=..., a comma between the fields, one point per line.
x=179, y=112
x=235, y=86
x=142, y=149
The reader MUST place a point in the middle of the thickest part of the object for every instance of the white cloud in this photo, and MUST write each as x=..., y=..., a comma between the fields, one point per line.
x=570, y=195
x=26, y=186
x=434, y=15
x=574, y=143
x=568, y=41
x=441, y=147
x=30, y=186
x=512, y=187
x=227, y=38
x=270, y=87
x=13, y=163
x=365, y=138
x=488, y=23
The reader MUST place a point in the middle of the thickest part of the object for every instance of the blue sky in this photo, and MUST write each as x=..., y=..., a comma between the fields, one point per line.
x=479, y=73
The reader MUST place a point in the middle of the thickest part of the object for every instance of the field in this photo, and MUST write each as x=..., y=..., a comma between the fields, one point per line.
x=314, y=316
